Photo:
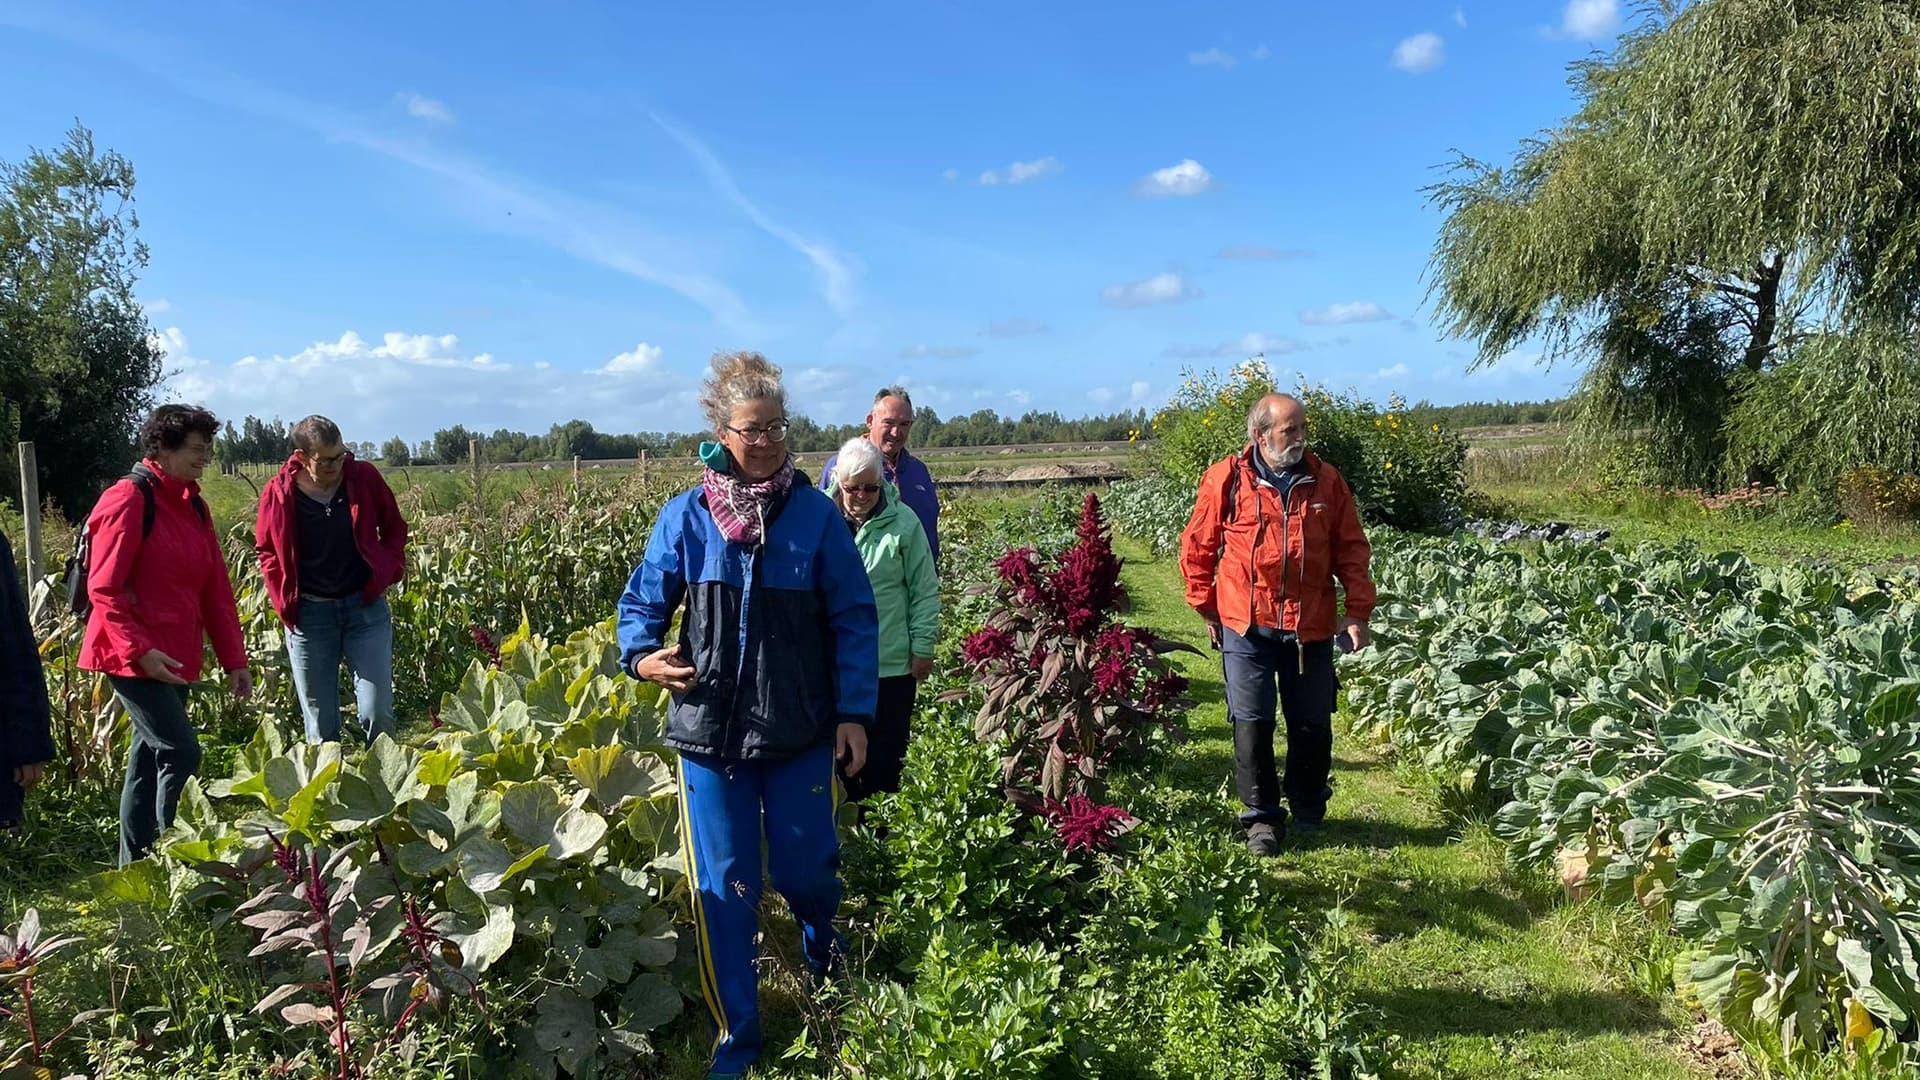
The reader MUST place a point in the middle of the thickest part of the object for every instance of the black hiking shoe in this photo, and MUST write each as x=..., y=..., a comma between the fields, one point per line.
x=1263, y=838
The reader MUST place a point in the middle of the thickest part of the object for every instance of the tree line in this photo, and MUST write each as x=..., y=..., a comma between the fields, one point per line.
x=258, y=441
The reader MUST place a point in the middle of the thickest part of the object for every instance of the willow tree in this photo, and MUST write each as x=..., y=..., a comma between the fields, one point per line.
x=1739, y=174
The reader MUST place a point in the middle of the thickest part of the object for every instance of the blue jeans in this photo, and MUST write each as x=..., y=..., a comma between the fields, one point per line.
x=331, y=631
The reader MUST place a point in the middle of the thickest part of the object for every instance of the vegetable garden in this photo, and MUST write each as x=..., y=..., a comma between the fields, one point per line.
x=1731, y=749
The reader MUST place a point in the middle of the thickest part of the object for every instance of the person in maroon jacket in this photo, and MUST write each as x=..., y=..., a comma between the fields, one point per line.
x=157, y=579
x=331, y=542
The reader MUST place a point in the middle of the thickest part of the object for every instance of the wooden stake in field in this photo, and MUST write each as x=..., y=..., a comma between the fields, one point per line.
x=576, y=476
x=643, y=466
x=473, y=461
x=30, y=511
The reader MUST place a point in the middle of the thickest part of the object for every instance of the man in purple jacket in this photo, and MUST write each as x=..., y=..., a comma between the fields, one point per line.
x=887, y=428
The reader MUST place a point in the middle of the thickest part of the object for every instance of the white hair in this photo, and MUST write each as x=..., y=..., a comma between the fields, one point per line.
x=1260, y=417
x=856, y=458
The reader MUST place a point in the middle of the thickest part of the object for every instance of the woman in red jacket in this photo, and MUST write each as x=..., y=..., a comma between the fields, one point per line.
x=158, y=582
x=331, y=542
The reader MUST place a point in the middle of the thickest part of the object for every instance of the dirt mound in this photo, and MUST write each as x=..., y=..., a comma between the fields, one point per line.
x=1042, y=472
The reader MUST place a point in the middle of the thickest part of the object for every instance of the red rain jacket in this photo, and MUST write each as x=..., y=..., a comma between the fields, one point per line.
x=379, y=533
x=1270, y=564
x=166, y=591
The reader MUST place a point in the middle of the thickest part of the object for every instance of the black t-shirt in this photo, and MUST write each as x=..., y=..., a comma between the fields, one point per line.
x=330, y=564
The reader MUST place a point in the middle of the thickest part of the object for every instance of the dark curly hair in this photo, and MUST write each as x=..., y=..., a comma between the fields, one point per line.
x=169, y=426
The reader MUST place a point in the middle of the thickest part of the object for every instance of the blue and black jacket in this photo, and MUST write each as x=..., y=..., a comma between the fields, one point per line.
x=784, y=635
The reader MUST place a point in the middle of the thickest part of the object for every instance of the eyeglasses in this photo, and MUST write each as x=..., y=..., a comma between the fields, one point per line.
x=863, y=489
x=330, y=461
x=774, y=432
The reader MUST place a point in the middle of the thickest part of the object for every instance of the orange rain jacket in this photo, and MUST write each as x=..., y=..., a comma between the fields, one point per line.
x=1249, y=560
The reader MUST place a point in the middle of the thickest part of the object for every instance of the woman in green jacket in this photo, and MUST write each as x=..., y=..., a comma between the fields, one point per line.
x=899, y=560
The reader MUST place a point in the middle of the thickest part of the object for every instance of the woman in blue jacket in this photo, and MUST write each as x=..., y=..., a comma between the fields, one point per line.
x=775, y=675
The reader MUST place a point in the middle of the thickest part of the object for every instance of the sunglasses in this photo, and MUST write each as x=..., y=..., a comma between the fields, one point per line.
x=864, y=489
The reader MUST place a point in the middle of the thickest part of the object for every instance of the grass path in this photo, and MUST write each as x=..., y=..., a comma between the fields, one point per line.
x=1482, y=971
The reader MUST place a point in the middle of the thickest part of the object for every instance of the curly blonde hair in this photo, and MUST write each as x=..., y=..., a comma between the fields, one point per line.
x=737, y=378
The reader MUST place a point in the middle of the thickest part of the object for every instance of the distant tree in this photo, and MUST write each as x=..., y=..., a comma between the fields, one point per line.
x=78, y=362
x=396, y=453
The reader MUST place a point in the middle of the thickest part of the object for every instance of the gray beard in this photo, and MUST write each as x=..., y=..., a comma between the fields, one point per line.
x=1289, y=457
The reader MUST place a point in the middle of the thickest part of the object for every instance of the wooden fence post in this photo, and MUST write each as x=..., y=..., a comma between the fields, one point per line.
x=473, y=461
x=643, y=466
x=30, y=511
x=576, y=476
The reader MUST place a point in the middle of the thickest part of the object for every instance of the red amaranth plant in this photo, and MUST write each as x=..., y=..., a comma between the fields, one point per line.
x=486, y=643
x=1085, y=825
x=311, y=906
x=1067, y=689
x=21, y=954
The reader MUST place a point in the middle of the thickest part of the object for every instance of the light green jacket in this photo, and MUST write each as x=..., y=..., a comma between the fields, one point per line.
x=899, y=561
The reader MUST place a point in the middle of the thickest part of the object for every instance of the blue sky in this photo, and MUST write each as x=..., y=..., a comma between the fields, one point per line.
x=405, y=216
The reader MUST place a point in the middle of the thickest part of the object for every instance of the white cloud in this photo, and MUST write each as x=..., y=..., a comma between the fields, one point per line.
x=821, y=380
x=1460, y=17
x=1590, y=18
x=1021, y=172
x=1341, y=314
x=1261, y=52
x=1100, y=395
x=1513, y=367
x=1253, y=344
x=950, y=175
x=1167, y=288
x=421, y=107
x=1016, y=327
x=643, y=357
x=1420, y=53
x=1020, y=397
x=156, y=307
x=411, y=384
x=835, y=273
x=1397, y=371
x=1259, y=253
x=1187, y=178
x=173, y=345
x=937, y=352
x=1139, y=392
x=1219, y=58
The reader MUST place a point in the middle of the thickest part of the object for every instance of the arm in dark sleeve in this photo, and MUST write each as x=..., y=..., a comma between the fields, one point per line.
x=26, y=733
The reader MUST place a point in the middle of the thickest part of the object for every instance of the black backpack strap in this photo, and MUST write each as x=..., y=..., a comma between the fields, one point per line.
x=143, y=479
x=1230, y=492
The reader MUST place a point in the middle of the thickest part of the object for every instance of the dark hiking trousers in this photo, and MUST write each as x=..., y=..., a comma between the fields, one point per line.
x=886, y=739
x=165, y=751
x=1267, y=669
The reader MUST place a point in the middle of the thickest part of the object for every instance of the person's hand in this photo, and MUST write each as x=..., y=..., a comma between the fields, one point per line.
x=29, y=776
x=850, y=748
x=240, y=681
x=922, y=667
x=160, y=667
x=1356, y=632
x=1213, y=631
x=664, y=668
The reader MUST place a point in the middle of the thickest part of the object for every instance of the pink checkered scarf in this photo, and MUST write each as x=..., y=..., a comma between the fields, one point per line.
x=739, y=507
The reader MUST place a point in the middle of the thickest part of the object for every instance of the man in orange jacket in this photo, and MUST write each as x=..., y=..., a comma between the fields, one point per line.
x=1273, y=529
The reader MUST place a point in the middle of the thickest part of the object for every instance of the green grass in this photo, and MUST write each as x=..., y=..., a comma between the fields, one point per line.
x=1670, y=519
x=1481, y=970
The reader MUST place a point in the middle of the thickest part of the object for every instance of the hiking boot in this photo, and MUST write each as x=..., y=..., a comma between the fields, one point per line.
x=1263, y=838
